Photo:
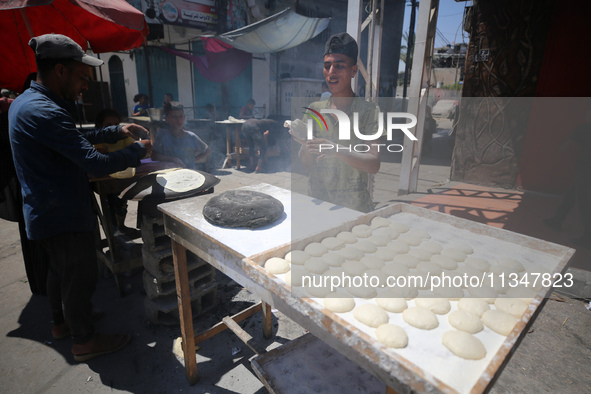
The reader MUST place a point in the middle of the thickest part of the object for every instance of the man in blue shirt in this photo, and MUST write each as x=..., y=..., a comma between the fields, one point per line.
x=52, y=160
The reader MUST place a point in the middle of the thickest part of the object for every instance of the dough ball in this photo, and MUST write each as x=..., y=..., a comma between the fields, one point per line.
x=485, y=293
x=287, y=278
x=316, y=266
x=429, y=267
x=470, y=271
x=385, y=254
x=392, y=336
x=450, y=292
x=379, y=221
x=500, y=322
x=297, y=257
x=371, y=315
x=408, y=293
x=463, y=246
x=347, y=237
x=419, y=234
x=410, y=239
x=333, y=259
x=420, y=318
x=318, y=292
x=464, y=345
x=333, y=243
x=379, y=240
x=454, y=253
x=396, y=270
x=362, y=231
x=353, y=268
x=339, y=303
x=276, y=266
x=399, y=227
x=513, y=264
x=372, y=262
x=373, y=275
x=406, y=259
x=366, y=246
x=475, y=306
x=444, y=262
x=465, y=321
x=421, y=254
x=351, y=253
x=512, y=306
x=479, y=264
x=394, y=305
x=439, y=306
x=499, y=269
x=315, y=249
x=432, y=246
x=386, y=232
x=365, y=292
x=398, y=247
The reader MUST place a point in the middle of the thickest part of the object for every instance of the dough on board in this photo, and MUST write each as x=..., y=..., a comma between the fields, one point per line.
x=421, y=254
x=465, y=321
x=339, y=302
x=432, y=246
x=365, y=246
x=394, y=305
x=297, y=257
x=454, y=253
x=479, y=264
x=510, y=262
x=362, y=231
x=316, y=266
x=351, y=253
x=392, y=335
x=406, y=259
x=315, y=249
x=181, y=181
x=410, y=239
x=372, y=262
x=276, y=266
x=386, y=232
x=333, y=259
x=512, y=306
x=347, y=237
x=476, y=306
x=398, y=247
x=420, y=318
x=379, y=240
x=444, y=262
x=399, y=227
x=439, y=306
x=370, y=315
x=500, y=322
x=333, y=243
x=464, y=345
x=379, y=221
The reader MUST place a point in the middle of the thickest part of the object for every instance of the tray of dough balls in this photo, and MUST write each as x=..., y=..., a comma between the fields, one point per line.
x=449, y=336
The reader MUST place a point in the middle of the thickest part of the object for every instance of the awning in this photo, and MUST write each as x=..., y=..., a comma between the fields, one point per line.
x=278, y=32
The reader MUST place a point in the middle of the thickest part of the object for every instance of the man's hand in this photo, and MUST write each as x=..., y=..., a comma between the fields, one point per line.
x=321, y=147
x=148, y=145
x=135, y=131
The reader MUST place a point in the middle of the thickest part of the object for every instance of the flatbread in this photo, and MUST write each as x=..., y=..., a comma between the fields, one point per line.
x=242, y=209
x=180, y=181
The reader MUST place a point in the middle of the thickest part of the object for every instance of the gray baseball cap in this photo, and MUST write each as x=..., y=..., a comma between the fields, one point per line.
x=57, y=46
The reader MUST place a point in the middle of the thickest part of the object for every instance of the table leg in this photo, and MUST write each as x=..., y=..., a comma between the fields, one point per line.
x=228, y=149
x=179, y=255
x=237, y=128
x=267, y=321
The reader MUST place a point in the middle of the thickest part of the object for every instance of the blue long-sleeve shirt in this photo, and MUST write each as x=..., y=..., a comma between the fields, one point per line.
x=52, y=159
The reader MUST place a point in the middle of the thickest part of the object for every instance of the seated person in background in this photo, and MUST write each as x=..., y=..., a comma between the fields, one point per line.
x=143, y=103
x=259, y=136
x=178, y=145
x=168, y=98
x=110, y=117
x=246, y=111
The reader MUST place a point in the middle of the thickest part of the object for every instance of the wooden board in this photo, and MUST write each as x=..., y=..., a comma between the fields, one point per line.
x=359, y=346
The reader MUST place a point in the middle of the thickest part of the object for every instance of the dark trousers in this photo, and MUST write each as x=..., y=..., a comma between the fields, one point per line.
x=72, y=280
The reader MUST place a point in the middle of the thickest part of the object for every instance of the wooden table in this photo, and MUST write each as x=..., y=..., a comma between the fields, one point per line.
x=233, y=151
x=226, y=249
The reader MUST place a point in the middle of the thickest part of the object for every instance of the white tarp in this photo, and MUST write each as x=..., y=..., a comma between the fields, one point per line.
x=278, y=32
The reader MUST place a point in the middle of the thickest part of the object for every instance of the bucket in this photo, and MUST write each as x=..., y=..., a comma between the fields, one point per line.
x=155, y=114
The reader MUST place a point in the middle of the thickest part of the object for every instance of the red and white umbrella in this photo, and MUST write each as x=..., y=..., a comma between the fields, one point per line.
x=102, y=25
